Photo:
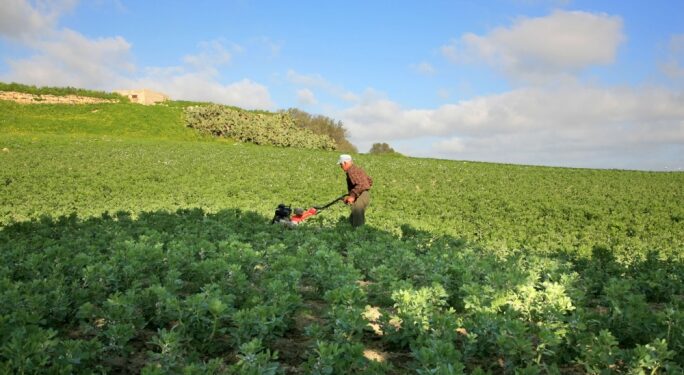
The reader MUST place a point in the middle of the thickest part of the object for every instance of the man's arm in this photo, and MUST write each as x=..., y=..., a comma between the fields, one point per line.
x=359, y=180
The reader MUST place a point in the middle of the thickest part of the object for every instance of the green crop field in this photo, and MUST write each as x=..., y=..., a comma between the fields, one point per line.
x=131, y=244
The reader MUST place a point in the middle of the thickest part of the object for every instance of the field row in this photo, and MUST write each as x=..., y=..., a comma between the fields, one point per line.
x=501, y=207
x=226, y=292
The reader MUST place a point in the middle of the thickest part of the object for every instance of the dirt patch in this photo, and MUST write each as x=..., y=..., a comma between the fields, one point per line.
x=364, y=283
x=292, y=349
x=24, y=98
x=400, y=362
x=375, y=355
x=295, y=344
x=372, y=314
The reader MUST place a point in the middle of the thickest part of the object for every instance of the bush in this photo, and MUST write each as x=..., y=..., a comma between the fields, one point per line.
x=262, y=128
x=325, y=126
x=382, y=148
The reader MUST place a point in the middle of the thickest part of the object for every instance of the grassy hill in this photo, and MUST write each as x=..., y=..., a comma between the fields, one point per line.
x=131, y=243
x=120, y=120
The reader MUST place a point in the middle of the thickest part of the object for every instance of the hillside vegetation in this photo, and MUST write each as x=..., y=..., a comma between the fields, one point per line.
x=60, y=91
x=121, y=120
x=130, y=243
x=320, y=124
x=261, y=128
x=292, y=128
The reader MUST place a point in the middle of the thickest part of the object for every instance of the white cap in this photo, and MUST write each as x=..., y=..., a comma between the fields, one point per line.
x=344, y=158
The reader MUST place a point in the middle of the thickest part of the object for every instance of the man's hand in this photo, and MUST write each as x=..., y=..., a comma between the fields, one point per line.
x=349, y=199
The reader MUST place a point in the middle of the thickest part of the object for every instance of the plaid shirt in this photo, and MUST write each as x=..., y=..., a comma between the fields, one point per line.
x=357, y=181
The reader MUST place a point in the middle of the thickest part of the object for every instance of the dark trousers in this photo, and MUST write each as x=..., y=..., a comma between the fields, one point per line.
x=358, y=209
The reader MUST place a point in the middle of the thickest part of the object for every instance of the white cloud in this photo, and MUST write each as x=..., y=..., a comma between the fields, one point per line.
x=204, y=86
x=450, y=146
x=444, y=93
x=273, y=48
x=199, y=79
x=19, y=19
x=424, y=68
x=536, y=49
x=67, y=58
x=306, y=97
x=673, y=67
x=569, y=125
x=70, y=59
x=677, y=45
x=317, y=81
x=212, y=54
x=383, y=119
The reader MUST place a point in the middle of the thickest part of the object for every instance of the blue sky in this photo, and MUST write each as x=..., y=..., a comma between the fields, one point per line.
x=595, y=84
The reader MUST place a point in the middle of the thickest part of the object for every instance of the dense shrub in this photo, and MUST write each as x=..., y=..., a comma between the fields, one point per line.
x=382, y=148
x=262, y=128
x=324, y=125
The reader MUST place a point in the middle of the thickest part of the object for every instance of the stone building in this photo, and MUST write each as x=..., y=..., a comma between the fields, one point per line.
x=143, y=96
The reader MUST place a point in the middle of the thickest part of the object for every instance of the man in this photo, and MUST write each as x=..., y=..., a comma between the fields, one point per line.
x=358, y=186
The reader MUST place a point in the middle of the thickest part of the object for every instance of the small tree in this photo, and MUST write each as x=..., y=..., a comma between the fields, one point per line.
x=382, y=148
x=325, y=126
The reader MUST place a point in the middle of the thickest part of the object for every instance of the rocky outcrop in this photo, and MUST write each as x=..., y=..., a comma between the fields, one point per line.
x=25, y=98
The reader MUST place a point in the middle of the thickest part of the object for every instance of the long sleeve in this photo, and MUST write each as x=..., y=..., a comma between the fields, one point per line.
x=357, y=181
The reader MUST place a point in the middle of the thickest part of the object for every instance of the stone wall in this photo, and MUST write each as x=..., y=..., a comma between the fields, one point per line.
x=143, y=96
x=25, y=98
